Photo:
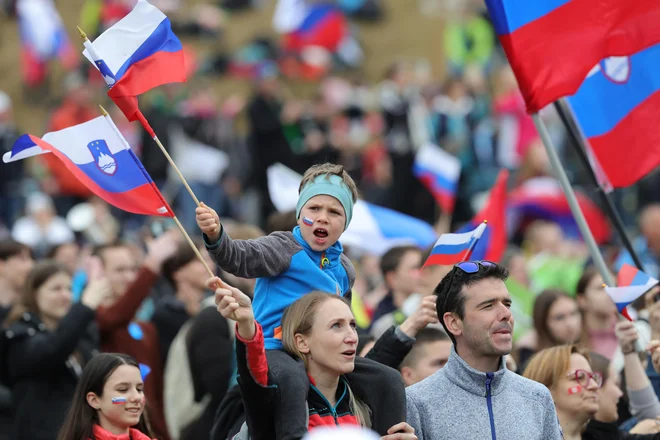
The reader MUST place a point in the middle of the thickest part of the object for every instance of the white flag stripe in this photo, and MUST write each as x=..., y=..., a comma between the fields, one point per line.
x=73, y=141
x=30, y=152
x=125, y=37
x=626, y=294
x=435, y=158
x=453, y=239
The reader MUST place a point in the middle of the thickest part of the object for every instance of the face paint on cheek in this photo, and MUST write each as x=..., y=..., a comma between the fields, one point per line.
x=119, y=400
x=308, y=221
x=574, y=390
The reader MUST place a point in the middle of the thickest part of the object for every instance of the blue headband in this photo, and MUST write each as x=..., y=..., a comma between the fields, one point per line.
x=328, y=185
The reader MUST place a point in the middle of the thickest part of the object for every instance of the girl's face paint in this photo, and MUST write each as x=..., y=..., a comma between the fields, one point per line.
x=119, y=400
x=308, y=221
x=574, y=390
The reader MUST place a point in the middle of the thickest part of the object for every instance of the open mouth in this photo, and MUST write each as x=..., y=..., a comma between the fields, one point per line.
x=350, y=353
x=321, y=233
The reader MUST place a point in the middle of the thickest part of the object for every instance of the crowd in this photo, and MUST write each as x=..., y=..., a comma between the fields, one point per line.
x=112, y=326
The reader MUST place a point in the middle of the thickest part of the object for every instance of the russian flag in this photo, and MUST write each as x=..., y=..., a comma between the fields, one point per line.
x=97, y=154
x=136, y=54
x=631, y=276
x=439, y=171
x=493, y=243
x=552, y=44
x=373, y=230
x=324, y=25
x=617, y=109
x=454, y=248
x=623, y=296
x=542, y=198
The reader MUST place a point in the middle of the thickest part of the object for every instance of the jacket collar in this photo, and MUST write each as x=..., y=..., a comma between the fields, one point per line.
x=333, y=253
x=134, y=434
x=471, y=380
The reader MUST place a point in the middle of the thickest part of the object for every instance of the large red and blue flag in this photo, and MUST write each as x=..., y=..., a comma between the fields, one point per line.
x=617, y=110
x=136, y=54
x=98, y=156
x=492, y=244
x=552, y=44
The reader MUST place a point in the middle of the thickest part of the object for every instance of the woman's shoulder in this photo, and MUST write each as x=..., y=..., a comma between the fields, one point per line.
x=27, y=325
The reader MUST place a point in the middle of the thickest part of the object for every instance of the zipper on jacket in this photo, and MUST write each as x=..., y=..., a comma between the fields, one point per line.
x=489, y=402
x=332, y=409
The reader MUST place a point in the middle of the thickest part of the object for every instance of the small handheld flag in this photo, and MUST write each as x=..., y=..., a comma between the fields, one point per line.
x=454, y=248
x=631, y=276
x=624, y=296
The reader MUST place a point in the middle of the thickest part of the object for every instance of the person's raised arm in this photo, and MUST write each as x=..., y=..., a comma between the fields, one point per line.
x=643, y=400
x=267, y=256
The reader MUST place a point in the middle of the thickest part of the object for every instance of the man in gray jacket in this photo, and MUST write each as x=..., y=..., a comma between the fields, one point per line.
x=474, y=396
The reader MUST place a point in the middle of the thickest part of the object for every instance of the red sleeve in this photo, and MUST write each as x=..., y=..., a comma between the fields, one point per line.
x=256, y=356
x=122, y=312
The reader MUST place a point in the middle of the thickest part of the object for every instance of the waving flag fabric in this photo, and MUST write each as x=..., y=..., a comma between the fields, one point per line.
x=542, y=198
x=552, y=44
x=623, y=296
x=374, y=229
x=454, y=248
x=617, y=109
x=136, y=54
x=101, y=159
x=439, y=171
x=631, y=276
x=493, y=243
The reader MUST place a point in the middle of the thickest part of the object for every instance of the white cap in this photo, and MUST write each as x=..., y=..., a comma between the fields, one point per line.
x=5, y=102
x=37, y=202
x=343, y=433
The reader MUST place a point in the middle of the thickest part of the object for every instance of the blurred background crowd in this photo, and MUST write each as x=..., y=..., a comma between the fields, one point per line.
x=382, y=78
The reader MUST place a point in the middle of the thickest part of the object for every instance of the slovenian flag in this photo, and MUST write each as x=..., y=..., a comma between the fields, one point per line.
x=136, y=54
x=617, y=108
x=553, y=44
x=97, y=154
x=454, y=248
x=439, y=171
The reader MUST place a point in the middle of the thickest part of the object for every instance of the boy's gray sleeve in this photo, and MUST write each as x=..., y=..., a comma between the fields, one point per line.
x=267, y=256
x=413, y=417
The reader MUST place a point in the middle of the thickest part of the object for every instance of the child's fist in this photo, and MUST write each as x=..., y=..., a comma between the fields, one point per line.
x=208, y=221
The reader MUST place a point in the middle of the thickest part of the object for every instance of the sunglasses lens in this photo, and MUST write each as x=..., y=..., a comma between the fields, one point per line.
x=468, y=266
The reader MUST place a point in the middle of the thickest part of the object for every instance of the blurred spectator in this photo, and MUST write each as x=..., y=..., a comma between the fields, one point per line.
x=400, y=267
x=48, y=342
x=66, y=254
x=11, y=197
x=647, y=245
x=599, y=314
x=468, y=39
x=557, y=321
x=41, y=228
x=430, y=352
x=15, y=263
x=187, y=275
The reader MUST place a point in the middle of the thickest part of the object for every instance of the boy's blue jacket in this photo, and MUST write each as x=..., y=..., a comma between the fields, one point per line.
x=286, y=268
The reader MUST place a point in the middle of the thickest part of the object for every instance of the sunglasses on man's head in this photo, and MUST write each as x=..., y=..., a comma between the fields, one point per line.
x=468, y=267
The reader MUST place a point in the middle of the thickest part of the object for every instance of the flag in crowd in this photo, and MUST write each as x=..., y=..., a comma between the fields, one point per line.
x=631, y=276
x=439, y=171
x=624, y=296
x=454, y=248
x=136, y=54
x=543, y=198
x=617, y=105
x=493, y=243
x=97, y=154
x=552, y=44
